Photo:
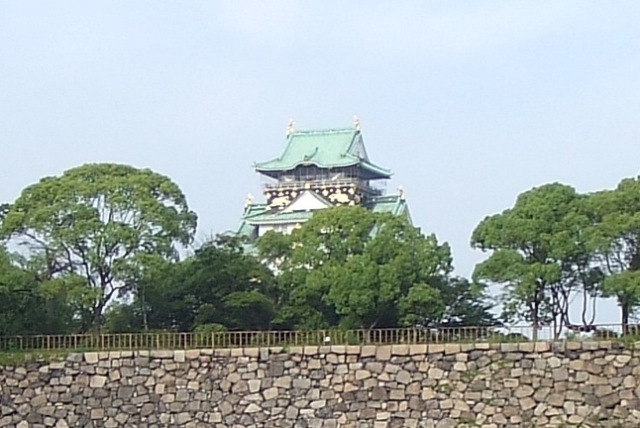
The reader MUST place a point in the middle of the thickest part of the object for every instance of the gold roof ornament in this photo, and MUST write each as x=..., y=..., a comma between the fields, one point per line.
x=356, y=122
x=291, y=127
x=249, y=200
x=401, y=193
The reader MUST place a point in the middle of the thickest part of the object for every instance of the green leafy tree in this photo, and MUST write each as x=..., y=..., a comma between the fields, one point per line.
x=4, y=209
x=122, y=318
x=18, y=291
x=99, y=221
x=360, y=269
x=298, y=306
x=248, y=310
x=219, y=285
x=164, y=298
x=615, y=236
x=422, y=305
x=538, y=254
x=24, y=307
x=467, y=304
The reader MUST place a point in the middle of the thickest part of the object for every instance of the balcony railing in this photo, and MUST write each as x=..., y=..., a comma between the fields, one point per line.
x=202, y=340
x=296, y=185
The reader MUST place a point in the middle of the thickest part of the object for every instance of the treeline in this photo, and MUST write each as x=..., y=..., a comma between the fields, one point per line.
x=97, y=249
x=556, y=246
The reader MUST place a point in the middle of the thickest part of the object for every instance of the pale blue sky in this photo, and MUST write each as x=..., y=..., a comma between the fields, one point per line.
x=468, y=102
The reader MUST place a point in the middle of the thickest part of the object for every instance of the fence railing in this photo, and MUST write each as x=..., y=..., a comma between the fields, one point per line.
x=299, y=184
x=235, y=339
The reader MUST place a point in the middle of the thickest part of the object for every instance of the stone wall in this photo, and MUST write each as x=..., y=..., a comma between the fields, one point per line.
x=444, y=386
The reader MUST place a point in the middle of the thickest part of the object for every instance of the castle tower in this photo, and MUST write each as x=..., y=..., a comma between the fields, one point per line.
x=318, y=169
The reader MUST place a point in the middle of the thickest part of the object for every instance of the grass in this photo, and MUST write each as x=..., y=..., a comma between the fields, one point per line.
x=20, y=358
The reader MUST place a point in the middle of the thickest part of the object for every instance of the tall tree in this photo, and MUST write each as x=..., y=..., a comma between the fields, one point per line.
x=616, y=238
x=98, y=221
x=538, y=254
x=359, y=268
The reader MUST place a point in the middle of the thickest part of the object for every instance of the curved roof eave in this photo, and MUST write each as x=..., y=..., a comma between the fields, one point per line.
x=381, y=172
x=265, y=167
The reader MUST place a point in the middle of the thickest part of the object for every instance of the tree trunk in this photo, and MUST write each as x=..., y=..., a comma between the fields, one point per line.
x=143, y=305
x=96, y=323
x=625, y=317
x=535, y=320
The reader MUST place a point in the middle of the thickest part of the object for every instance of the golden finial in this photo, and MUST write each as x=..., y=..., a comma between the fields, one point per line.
x=401, y=193
x=291, y=127
x=249, y=200
x=356, y=122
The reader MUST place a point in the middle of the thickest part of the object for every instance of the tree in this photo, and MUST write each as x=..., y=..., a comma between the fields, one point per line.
x=467, y=304
x=299, y=305
x=359, y=268
x=240, y=303
x=17, y=293
x=615, y=237
x=99, y=221
x=538, y=254
x=220, y=284
x=4, y=209
x=24, y=307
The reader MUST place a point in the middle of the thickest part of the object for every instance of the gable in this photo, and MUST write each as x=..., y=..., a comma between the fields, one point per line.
x=357, y=148
x=307, y=201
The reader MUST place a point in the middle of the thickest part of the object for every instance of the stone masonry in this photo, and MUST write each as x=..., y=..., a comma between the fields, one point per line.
x=589, y=384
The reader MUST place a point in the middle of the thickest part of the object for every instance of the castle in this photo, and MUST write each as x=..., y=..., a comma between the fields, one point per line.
x=318, y=169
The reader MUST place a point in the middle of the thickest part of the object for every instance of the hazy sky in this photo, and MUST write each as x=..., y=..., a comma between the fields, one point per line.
x=468, y=102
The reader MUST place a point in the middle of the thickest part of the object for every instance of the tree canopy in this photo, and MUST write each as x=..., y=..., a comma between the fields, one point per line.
x=99, y=222
x=26, y=306
x=537, y=253
x=351, y=267
x=615, y=242
x=98, y=248
x=555, y=244
x=219, y=285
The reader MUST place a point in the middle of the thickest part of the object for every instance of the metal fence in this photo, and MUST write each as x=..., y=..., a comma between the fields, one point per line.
x=235, y=339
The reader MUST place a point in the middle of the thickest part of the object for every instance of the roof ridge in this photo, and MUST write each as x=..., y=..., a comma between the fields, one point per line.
x=323, y=131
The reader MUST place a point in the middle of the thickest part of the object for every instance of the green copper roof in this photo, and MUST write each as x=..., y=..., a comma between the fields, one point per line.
x=259, y=214
x=393, y=204
x=276, y=218
x=253, y=210
x=332, y=148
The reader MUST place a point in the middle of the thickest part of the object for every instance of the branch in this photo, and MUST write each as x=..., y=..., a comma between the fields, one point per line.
x=87, y=268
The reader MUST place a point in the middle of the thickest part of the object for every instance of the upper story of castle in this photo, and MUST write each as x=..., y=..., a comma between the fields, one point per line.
x=333, y=163
x=318, y=169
